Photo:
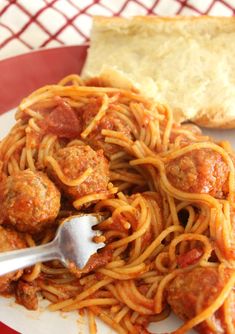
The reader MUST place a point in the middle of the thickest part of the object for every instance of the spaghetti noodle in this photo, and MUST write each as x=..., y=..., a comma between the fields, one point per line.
x=167, y=191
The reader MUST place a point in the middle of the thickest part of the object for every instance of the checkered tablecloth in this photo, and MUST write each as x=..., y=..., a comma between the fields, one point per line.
x=32, y=24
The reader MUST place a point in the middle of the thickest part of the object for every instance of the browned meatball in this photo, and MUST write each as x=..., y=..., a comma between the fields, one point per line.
x=193, y=291
x=200, y=171
x=74, y=161
x=9, y=240
x=29, y=201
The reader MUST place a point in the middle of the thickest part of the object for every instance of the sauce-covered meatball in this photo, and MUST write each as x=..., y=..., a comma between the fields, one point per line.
x=110, y=121
x=29, y=201
x=9, y=240
x=192, y=292
x=73, y=162
x=200, y=171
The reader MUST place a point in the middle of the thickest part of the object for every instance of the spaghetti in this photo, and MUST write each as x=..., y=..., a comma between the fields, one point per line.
x=167, y=191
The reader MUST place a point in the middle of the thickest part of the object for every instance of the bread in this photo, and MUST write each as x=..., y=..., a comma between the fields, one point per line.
x=188, y=63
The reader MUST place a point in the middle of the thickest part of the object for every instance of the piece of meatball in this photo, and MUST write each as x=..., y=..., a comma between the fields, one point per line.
x=9, y=240
x=73, y=162
x=200, y=171
x=110, y=121
x=179, y=134
x=26, y=295
x=192, y=292
x=29, y=201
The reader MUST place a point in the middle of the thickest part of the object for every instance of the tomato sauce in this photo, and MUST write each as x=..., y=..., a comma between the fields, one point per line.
x=189, y=258
x=63, y=121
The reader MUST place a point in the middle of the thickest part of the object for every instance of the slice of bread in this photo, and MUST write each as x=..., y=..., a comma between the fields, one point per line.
x=188, y=63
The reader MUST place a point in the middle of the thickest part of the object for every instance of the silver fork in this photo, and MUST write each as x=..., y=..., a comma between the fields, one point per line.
x=72, y=244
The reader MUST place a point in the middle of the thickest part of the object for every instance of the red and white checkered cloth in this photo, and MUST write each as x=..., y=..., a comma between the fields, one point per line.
x=32, y=24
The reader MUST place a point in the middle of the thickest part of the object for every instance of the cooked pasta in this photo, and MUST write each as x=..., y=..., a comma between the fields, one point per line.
x=167, y=193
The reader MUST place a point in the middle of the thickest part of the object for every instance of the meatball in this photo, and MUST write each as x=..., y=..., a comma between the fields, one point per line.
x=29, y=201
x=9, y=240
x=192, y=292
x=200, y=171
x=73, y=162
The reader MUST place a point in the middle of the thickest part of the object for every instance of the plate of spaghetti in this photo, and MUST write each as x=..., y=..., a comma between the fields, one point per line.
x=167, y=191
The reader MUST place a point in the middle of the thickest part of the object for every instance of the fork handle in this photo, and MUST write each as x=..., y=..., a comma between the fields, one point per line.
x=22, y=258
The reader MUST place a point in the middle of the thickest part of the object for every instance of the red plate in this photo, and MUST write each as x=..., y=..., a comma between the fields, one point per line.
x=38, y=68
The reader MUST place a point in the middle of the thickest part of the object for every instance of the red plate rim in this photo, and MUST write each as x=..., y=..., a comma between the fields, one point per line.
x=41, y=67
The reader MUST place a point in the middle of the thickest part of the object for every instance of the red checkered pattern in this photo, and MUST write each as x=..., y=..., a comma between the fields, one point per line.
x=28, y=24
